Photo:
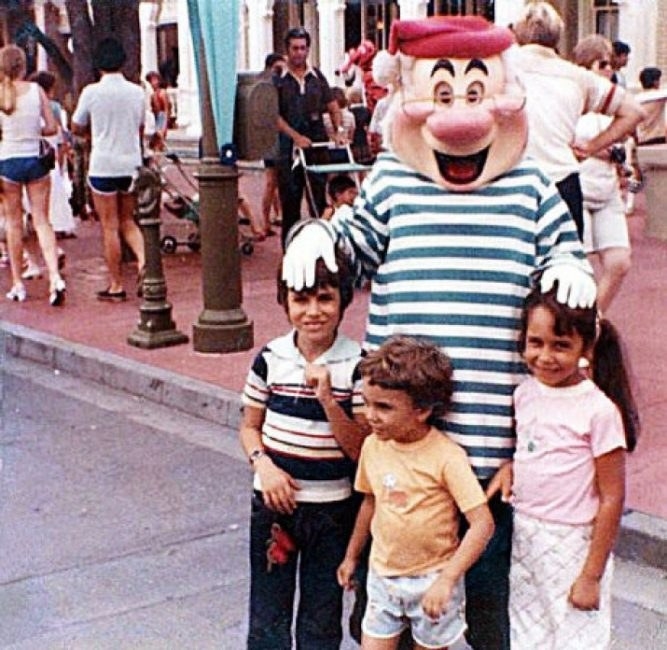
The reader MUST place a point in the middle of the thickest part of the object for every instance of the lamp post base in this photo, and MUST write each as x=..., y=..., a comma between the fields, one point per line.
x=222, y=331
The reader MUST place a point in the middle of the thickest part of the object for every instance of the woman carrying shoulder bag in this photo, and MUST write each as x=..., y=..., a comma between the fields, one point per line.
x=25, y=117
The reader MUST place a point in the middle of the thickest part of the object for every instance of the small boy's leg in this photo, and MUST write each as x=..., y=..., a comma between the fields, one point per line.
x=272, y=587
x=487, y=586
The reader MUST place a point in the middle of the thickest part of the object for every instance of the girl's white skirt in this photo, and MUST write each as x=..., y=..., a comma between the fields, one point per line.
x=546, y=560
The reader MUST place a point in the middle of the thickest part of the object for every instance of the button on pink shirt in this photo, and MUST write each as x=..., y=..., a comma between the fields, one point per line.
x=560, y=432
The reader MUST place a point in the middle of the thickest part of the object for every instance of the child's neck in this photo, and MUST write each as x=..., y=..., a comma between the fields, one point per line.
x=311, y=350
x=415, y=435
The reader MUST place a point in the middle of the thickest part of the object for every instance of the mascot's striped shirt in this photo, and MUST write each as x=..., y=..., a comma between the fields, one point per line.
x=296, y=433
x=455, y=267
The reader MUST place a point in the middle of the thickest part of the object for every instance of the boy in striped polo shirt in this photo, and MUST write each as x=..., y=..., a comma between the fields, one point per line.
x=302, y=430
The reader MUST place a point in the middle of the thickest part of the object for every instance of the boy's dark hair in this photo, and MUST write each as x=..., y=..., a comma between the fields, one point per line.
x=109, y=55
x=599, y=336
x=271, y=59
x=619, y=47
x=294, y=33
x=45, y=79
x=648, y=77
x=414, y=366
x=339, y=184
x=343, y=280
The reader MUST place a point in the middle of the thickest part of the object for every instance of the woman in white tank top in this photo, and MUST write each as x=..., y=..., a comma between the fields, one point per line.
x=26, y=116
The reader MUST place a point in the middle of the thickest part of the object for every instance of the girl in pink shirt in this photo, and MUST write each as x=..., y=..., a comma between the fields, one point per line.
x=567, y=479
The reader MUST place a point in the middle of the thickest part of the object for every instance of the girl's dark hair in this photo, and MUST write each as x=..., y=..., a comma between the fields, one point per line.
x=343, y=280
x=415, y=366
x=599, y=335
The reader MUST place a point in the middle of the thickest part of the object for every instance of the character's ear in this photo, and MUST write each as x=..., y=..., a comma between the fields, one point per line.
x=386, y=68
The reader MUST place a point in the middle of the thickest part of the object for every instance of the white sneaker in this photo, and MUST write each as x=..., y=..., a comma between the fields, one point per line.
x=32, y=273
x=57, y=294
x=17, y=293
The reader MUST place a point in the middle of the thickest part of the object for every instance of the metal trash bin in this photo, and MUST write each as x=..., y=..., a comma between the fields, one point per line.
x=653, y=163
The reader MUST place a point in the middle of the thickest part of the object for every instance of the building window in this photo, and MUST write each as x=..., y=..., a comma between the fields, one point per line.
x=461, y=8
x=606, y=18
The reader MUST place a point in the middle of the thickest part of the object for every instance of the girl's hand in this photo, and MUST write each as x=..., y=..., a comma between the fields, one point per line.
x=501, y=482
x=319, y=378
x=278, y=487
x=585, y=594
x=436, y=599
x=345, y=573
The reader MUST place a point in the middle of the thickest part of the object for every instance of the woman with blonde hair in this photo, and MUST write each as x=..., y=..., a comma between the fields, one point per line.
x=26, y=116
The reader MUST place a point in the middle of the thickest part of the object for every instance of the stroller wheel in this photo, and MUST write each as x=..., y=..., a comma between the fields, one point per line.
x=247, y=248
x=168, y=244
x=194, y=241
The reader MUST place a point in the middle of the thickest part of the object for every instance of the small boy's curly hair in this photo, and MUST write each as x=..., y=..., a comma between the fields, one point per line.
x=342, y=279
x=414, y=366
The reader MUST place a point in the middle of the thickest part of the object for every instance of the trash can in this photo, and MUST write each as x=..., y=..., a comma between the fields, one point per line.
x=653, y=163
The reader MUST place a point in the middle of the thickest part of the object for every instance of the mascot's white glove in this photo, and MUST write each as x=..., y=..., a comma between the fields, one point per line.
x=576, y=288
x=314, y=239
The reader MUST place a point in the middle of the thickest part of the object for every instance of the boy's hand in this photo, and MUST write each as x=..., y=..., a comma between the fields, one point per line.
x=319, y=378
x=436, y=599
x=501, y=482
x=345, y=573
x=278, y=487
x=585, y=593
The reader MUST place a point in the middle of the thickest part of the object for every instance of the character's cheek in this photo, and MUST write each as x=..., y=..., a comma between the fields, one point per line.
x=404, y=121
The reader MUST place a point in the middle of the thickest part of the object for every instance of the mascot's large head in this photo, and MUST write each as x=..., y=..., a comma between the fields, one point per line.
x=457, y=114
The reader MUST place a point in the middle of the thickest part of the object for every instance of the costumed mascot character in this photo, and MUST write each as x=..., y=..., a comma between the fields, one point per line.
x=357, y=71
x=451, y=226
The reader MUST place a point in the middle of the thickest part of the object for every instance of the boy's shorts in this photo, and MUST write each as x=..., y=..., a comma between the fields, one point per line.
x=110, y=184
x=395, y=604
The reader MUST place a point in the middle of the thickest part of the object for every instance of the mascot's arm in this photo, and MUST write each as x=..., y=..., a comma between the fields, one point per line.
x=560, y=255
x=308, y=241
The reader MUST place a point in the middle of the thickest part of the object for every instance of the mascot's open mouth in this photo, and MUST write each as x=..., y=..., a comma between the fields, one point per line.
x=460, y=170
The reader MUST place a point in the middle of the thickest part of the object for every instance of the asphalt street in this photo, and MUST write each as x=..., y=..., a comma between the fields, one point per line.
x=124, y=525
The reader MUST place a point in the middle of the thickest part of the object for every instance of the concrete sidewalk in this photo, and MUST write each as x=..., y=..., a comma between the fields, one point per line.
x=87, y=338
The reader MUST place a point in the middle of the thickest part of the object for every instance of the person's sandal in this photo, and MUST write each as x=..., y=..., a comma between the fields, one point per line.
x=109, y=296
x=57, y=294
x=17, y=293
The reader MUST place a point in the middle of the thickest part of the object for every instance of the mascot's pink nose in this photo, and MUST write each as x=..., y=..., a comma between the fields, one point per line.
x=460, y=126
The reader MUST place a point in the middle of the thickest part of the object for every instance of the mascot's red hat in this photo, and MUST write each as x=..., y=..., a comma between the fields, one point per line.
x=460, y=37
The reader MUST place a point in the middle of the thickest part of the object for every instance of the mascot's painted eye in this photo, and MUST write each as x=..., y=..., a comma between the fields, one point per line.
x=475, y=93
x=443, y=94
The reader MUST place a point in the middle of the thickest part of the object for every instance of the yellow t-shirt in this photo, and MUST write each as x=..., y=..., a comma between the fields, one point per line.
x=419, y=489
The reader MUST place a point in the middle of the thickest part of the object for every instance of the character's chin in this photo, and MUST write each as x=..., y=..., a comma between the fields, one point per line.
x=461, y=170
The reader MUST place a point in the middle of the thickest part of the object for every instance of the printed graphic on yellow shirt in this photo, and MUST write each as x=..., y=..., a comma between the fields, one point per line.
x=391, y=493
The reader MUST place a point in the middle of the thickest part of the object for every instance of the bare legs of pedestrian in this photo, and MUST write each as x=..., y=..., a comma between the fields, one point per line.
x=116, y=214
x=615, y=263
x=38, y=195
x=270, y=198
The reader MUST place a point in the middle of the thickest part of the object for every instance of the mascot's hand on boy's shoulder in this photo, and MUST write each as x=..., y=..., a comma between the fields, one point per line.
x=313, y=239
x=576, y=287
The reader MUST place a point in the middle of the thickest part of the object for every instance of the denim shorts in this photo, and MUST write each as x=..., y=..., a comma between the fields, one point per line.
x=110, y=184
x=395, y=604
x=22, y=170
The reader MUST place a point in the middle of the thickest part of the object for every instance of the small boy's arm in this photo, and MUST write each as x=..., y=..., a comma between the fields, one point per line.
x=480, y=520
x=610, y=475
x=360, y=535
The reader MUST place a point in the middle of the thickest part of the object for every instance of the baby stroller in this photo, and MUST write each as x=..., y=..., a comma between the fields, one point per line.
x=328, y=158
x=183, y=203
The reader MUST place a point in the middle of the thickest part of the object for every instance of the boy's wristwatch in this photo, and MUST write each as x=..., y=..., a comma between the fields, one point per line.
x=255, y=455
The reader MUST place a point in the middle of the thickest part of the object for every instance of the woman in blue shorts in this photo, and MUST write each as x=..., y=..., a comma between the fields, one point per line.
x=26, y=116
